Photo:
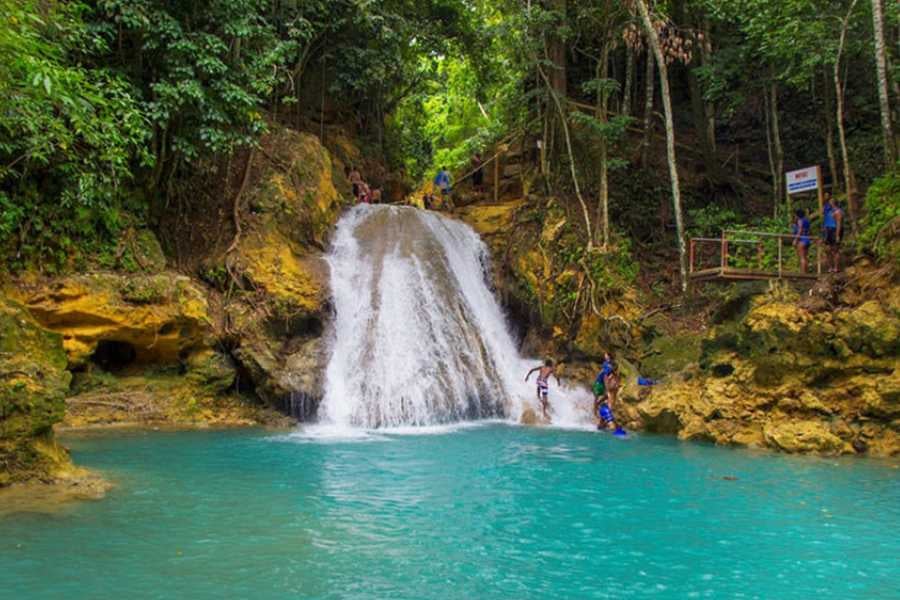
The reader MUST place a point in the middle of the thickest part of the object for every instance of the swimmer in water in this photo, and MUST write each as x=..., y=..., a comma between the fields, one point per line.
x=543, y=384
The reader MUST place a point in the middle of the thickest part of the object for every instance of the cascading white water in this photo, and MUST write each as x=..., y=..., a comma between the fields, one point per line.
x=419, y=338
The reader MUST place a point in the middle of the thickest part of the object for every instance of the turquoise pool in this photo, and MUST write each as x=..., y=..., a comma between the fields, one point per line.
x=480, y=513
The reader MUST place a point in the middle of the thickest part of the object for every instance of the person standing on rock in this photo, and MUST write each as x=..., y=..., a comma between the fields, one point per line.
x=833, y=228
x=478, y=173
x=355, y=178
x=802, y=240
x=442, y=182
x=543, y=385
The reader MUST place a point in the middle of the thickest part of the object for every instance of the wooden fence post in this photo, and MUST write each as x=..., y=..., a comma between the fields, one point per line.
x=497, y=179
x=723, y=257
x=693, y=245
x=780, y=256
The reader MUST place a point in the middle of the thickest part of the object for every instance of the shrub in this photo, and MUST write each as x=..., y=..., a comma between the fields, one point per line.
x=881, y=224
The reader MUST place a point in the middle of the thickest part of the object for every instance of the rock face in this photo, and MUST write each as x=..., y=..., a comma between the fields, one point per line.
x=150, y=347
x=123, y=319
x=539, y=275
x=33, y=386
x=278, y=324
x=781, y=375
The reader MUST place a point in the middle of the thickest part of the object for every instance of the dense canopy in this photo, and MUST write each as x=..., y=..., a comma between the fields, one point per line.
x=110, y=108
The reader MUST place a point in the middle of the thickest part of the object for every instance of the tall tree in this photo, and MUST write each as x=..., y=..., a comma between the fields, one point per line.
x=849, y=180
x=779, y=183
x=556, y=49
x=884, y=98
x=629, y=81
x=649, y=93
x=602, y=115
x=699, y=109
x=661, y=64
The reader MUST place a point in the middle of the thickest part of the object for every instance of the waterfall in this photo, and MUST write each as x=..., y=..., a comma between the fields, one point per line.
x=419, y=338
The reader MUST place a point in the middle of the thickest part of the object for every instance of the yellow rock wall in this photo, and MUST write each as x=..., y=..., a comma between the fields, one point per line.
x=162, y=316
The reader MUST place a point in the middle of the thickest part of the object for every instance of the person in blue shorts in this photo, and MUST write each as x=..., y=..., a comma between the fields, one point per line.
x=802, y=240
x=443, y=182
x=833, y=232
x=605, y=388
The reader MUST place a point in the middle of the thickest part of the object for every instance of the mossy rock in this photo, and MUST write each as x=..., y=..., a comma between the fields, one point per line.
x=669, y=355
x=212, y=370
x=33, y=386
x=298, y=191
x=147, y=290
x=148, y=251
x=869, y=329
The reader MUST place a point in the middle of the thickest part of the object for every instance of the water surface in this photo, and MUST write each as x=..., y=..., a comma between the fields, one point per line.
x=481, y=513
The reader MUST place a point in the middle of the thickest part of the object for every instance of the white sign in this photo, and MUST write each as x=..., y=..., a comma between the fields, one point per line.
x=804, y=180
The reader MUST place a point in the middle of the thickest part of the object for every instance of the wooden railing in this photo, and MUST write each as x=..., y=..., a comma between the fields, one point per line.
x=752, y=255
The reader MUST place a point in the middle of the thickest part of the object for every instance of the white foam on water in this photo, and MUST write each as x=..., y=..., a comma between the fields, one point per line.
x=420, y=340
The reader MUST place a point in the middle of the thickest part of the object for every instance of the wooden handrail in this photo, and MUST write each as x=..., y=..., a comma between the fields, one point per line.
x=763, y=241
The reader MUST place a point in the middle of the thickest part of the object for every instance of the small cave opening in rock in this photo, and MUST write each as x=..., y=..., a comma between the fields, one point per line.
x=114, y=356
x=722, y=370
x=243, y=381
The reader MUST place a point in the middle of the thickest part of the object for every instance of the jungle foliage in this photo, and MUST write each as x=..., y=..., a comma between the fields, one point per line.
x=106, y=105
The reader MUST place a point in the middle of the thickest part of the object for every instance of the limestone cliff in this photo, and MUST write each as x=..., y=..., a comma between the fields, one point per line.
x=146, y=345
x=277, y=321
x=570, y=303
x=33, y=386
x=814, y=373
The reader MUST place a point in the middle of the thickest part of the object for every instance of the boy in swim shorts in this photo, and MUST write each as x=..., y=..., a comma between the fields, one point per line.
x=543, y=384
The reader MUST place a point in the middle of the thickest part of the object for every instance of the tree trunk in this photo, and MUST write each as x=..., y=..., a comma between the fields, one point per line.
x=556, y=53
x=849, y=179
x=602, y=116
x=706, y=52
x=829, y=133
x=629, y=81
x=649, y=92
x=670, y=139
x=779, y=149
x=568, y=140
x=884, y=98
x=768, y=111
x=698, y=104
x=701, y=124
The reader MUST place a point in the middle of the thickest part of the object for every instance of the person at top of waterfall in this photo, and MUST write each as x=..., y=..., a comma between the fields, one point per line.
x=376, y=196
x=365, y=194
x=802, y=241
x=543, y=384
x=477, y=172
x=355, y=178
x=442, y=182
x=833, y=232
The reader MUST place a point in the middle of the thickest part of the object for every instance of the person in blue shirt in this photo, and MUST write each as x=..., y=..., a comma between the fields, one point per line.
x=802, y=241
x=442, y=182
x=599, y=386
x=606, y=388
x=833, y=232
